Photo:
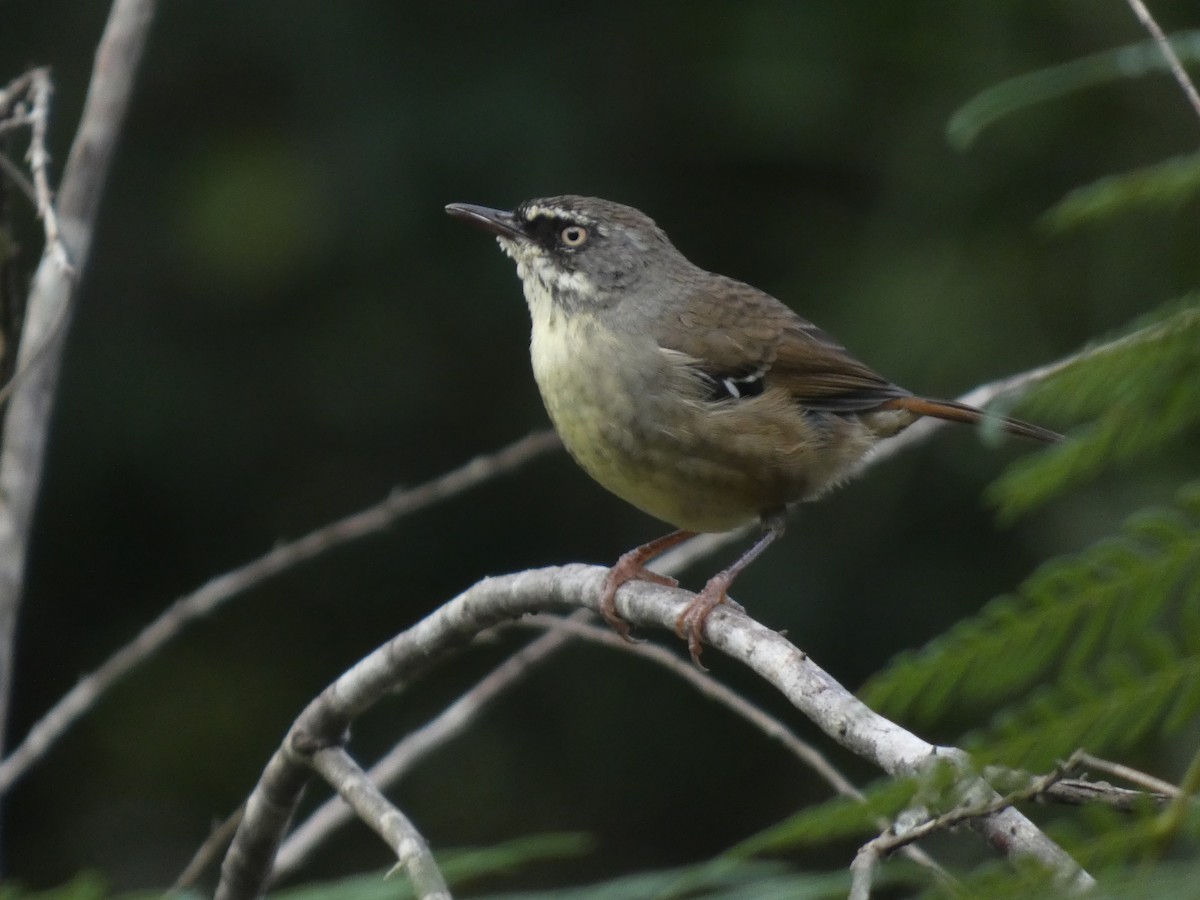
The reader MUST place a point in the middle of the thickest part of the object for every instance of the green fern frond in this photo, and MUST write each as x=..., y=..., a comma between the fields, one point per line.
x=1054, y=82
x=1133, y=593
x=1166, y=185
x=998, y=881
x=1129, y=698
x=1107, y=842
x=1140, y=395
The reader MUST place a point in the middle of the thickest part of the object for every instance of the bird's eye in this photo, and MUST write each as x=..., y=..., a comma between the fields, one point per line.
x=574, y=236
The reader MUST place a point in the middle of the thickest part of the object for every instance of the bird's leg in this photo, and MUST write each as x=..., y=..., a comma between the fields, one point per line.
x=632, y=567
x=691, y=621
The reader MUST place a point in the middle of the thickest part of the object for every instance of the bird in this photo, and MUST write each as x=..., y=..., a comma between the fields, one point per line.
x=697, y=398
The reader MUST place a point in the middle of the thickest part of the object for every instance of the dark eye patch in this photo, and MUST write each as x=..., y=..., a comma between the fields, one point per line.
x=547, y=230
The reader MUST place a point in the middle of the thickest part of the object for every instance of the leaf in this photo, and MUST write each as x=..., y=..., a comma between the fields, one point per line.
x=1052, y=83
x=1155, y=369
x=1165, y=185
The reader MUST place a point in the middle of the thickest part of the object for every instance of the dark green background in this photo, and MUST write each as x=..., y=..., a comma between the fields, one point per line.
x=280, y=325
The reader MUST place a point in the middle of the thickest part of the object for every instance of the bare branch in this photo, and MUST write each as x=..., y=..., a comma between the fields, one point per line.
x=11, y=94
x=412, y=853
x=1128, y=773
x=264, y=818
x=872, y=853
x=210, y=851
x=709, y=687
x=455, y=718
x=52, y=293
x=17, y=177
x=213, y=593
x=1168, y=52
x=1077, y=792
x=448, y=724
x=40, y=91
x=811, y=690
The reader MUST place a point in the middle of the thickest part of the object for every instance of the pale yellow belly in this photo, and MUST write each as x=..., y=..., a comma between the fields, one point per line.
x=696, y=464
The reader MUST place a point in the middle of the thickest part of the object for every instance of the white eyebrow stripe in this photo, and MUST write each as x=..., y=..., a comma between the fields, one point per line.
x=552, y=212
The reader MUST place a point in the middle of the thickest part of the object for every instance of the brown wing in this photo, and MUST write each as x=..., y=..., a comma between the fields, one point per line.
x=740, y=334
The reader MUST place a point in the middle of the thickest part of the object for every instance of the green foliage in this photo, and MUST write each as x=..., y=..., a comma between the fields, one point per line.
x=1165, y=186
x=1100, y=649
x=85, y=886
x=458, y=866
x=999, y=881
x=1136, y=397
x=1058, y=81
x=1110, y=634
x=841, y=817
x=745, y=880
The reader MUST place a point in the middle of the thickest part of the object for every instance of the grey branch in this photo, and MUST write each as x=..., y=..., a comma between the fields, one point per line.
x=53, y=290
x=714, y=690
x=412, y=853
x=812, y=691
x=450, y=722
x=872, y=853
x=1078, y=792
x=1156, y=786
x=1148, y=22
x=455, y=718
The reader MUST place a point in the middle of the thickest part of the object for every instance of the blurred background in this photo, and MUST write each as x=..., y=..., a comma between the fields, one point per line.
x=280, y=325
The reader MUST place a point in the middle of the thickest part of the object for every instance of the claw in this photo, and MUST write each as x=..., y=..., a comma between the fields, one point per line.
x=692, y=621
x=632, y=567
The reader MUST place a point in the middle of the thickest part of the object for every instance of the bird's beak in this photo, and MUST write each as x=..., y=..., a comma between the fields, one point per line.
x=497, y=221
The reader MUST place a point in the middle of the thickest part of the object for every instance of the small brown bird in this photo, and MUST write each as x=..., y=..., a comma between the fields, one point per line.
x=697, y=398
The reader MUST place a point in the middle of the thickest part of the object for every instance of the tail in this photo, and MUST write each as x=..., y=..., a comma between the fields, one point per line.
x=952, y=411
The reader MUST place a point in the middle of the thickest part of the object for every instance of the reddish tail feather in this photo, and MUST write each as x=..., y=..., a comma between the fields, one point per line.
x=960, y=412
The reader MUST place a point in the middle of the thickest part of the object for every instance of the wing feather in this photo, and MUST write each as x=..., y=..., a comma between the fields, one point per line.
x=738, y=331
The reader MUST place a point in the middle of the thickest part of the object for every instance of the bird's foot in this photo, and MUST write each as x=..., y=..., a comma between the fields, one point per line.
x=692, y=621
x=632, y=567
x=628, y=568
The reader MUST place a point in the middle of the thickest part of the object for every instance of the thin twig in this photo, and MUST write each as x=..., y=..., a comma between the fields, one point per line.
x=40, y=91
x=17, y=177
x=20, y=119
x=397, y=762
x=714, y=690
x=209, y=596
x=1168, y=52
x=1127, y=773
x=11, y=94
x=210, y=851
x=872, y=853
x=1075, y=792
x=456, y=717
x=709, y=687
x=412, y=852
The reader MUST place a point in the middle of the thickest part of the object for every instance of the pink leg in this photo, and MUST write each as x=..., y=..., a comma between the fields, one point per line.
x=691, y=621
x=632, y=567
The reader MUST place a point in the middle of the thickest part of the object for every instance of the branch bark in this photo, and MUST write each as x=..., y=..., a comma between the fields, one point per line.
x=49, y=309
x=325, y=721
x=412, y=853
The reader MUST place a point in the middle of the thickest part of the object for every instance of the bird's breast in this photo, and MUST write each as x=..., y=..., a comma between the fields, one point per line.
x=634, y=417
